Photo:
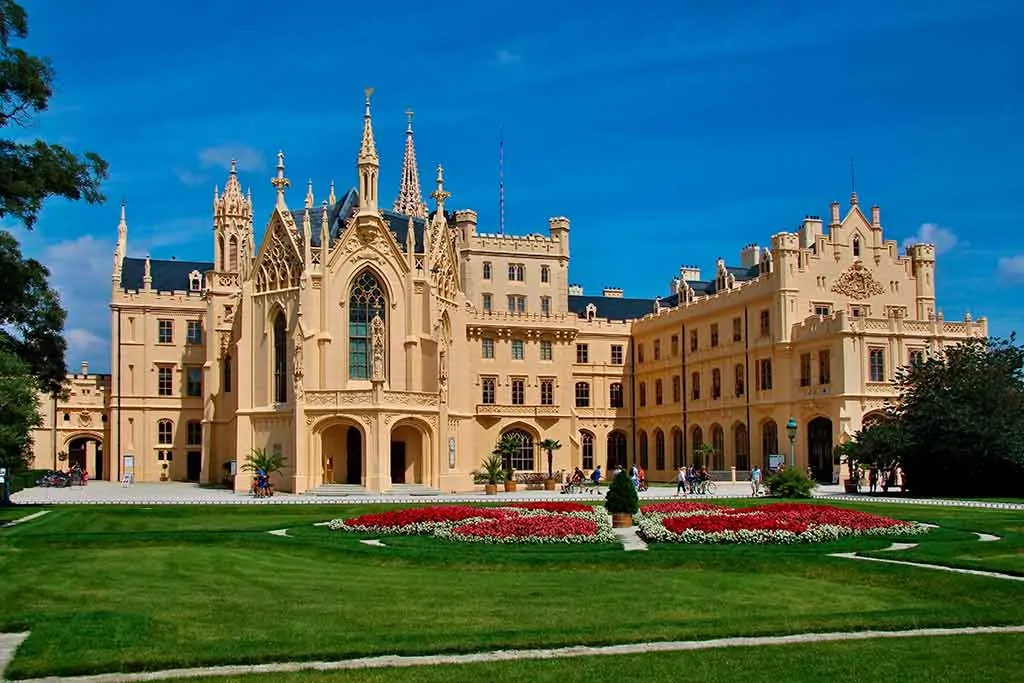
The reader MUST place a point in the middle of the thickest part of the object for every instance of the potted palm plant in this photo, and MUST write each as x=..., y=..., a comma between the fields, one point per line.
x=550, y=446
x=269, y=462
x=494, y=468
x=506, y=447
x=622, y=501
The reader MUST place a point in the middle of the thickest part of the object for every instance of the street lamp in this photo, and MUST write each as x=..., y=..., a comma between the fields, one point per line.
x=791, y=431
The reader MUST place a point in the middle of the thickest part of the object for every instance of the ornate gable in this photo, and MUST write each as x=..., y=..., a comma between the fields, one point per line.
x=369, y=240
x=857, y=283
x=279, y=263
x=443, y=261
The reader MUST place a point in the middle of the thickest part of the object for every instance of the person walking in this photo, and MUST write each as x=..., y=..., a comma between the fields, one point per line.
x=681, y=481
x=755, y=481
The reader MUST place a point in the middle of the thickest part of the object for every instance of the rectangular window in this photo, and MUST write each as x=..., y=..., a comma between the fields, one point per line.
x=916, y=356
x=516, y=303
x=516, y=272
x=616, y=354
x=227, y=379
x=615, y=395
x=511, y=303
x=856, y=311
x=194, y=334
x=766, y=323
x=193, y=381
x=824, y=366
x=488, y=303
x=582, y=395
x=194, y=433
x=805, y=369
x=165, y=332
x=876, y=365
x=582, y=353
x=674, y=343
x=659, y=396
x=716, y=384
x=657, y=349
x=547, y=392
x=164, y=384
x=737, y=329
x=643, y=394
x=487, y=390
x=676, y=389
x=487, y=347
x=714, y=335
x=694, y=340
x=545, y=274
x=639, y=353
x=518, y=392
x=487, y=270
x=764, y=374
x=695, y=386
x=518, y=353
x=545, y=350
x=739, y=380
x=545, y=305
x=822, y=309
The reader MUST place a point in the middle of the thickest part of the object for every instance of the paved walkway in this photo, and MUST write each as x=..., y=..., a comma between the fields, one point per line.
x=177, y=493
x=513, y=655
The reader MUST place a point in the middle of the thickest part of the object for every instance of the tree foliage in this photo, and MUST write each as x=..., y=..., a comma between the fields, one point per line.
x=31, y=317
x=958, y=426
x=31, y=172
x=549, y=446
x=19, y=412
x=622, y=496
x=506, y=448
x=263, y=459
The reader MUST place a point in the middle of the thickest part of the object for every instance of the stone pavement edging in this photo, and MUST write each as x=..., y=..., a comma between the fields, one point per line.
x=395, y=661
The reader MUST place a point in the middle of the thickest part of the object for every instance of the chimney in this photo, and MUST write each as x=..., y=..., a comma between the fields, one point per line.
x=689, y=273
x=876, y=217
x=612, y=292
x=85, y=367
x=835, y=214
x=750, y=256
x=809, y=231
x=575, y=290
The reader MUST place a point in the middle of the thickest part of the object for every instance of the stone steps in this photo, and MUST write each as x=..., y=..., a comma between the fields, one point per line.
x=338, y=491
x=412, y=490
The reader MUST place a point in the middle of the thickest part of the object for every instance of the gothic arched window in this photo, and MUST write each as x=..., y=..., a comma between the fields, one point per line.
x=233, y=253
x=365, y=302
x=280, y=359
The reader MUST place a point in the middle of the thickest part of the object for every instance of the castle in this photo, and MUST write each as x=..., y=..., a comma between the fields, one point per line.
x=388, y=348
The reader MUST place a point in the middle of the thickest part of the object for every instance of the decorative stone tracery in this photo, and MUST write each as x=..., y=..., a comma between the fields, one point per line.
x=858, y=283
x=281, y=265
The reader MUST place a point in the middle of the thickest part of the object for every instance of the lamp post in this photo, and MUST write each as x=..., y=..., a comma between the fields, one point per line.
x=791, y=431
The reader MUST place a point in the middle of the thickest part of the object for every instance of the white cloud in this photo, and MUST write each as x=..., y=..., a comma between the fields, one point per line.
x=191, y=178
x=1011, y=268
x=944, y=239
x=248, y=158
x=505, y=56
x=84, y=340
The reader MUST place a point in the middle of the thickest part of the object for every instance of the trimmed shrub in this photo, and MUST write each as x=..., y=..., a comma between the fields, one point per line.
x=622, y=496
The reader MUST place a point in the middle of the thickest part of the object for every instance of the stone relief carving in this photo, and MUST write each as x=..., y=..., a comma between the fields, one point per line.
x=442, y=375
x=858, y=283
x=281, y=265
x=453, y=424
x=309, y=420
x=378, y=349
x=410, y=399
x=85, y=418
x=298, y=368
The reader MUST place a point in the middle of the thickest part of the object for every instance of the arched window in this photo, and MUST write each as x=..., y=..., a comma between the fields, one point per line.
x=716, y=384
x=739, y=382
x=616, y=450
x=856, y=246
x=696, y=440
x=366, y=301
x=222, y=257
x=643, y=450
x=769, y=439
x=643, y=394
x=165, y=432
x=233, y=253
x=659, y=450
x=587, y=441
x=615, y=395
x=742, y=443
x=678, y=455
x=522, y=459
x=718, y=443
x=280, y=359
x=226, y=383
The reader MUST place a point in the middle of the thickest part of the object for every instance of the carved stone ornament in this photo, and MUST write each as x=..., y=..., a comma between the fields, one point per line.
x=297, y=368
x=378, y=349
x=85, y=418
x=857, y=283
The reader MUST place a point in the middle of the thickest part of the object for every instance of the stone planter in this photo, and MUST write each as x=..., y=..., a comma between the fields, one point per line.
x=850, y=485
x=491, y=489
x=622, y=520
x=510, y=487
x=549, y=484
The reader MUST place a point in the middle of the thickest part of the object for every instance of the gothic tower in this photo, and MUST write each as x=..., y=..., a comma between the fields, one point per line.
x=410, y=200
x=232, y=226
x=368, y=164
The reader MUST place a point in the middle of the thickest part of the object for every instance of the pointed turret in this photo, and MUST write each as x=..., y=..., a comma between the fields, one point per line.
x=147, y=275
x=368, y=164
x=331, y=199
x=410, y=199
x=440, y=194
x=309, y=194
x=280, y=183
x=121, y=250
x=232, y=222
x=325, y=244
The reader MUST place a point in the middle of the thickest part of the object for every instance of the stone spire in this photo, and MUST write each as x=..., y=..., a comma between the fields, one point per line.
x=147, y=275
x=331, y=199
x=121, y=250
x=440, y=194
x=325, y=238
x=280, y=182
x=410, y=199
x=368, y=164
x=309, y=194
x=231, y=203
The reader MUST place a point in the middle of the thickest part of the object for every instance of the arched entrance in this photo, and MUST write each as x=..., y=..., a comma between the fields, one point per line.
x=616, y=450
x=410, y=444
x=342, y=453
x=86, y=451
x=819, y=448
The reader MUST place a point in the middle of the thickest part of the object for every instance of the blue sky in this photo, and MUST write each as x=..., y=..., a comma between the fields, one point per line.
x=668, y=132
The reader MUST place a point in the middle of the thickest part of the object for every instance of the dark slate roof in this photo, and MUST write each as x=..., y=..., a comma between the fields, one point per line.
x=341, y=211
x=611, y=308
x=168, y=276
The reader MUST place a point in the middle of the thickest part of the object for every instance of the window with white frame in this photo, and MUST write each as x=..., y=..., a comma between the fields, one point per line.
x=487, y=347
x=518, y=351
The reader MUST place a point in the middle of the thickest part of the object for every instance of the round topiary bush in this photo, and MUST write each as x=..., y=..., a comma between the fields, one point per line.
x=790, y=483
x=621, y=497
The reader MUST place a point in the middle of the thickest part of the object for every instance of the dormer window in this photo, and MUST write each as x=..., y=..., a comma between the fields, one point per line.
x=195, y=281
x=856, y=246
x=591, y=311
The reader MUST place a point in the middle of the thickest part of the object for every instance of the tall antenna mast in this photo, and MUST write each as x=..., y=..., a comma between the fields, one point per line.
x=853, y=177
x=501, y=179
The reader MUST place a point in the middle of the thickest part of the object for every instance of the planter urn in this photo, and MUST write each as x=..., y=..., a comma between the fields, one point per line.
x=491, y=489
x=622, y=520
x=510, y=486
x=549, y=484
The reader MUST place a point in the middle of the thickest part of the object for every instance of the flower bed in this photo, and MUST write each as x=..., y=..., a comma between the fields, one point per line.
x=550, y=522
x=781, y=523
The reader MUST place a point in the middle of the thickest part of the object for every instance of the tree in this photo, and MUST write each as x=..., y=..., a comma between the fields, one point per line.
x=550, y=446
x=622, y=497
x=958, y=427
x=880, y=446
x=19, y=415
x=262, y=459
x=507, y=446
x=31, y=172
x=31, y=317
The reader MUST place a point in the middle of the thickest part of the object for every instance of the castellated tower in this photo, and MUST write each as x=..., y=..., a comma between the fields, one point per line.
x=922, y=260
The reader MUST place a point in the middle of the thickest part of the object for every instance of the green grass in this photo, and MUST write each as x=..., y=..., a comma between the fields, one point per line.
x=908, y=660
x=110, y=588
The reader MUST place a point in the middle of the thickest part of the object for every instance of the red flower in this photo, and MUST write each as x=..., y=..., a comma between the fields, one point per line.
x=436, y=514
x=554, y=506
x=674, y=507
x=542, y=526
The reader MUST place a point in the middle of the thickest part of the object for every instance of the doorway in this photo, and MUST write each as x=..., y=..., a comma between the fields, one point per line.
x=819, y=448
x=353, y=456
x=193, y=465
x=397, y=462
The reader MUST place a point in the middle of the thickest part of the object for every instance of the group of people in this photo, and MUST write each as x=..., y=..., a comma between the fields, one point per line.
x=691, y=480
x=261, y=486
x=883, y=478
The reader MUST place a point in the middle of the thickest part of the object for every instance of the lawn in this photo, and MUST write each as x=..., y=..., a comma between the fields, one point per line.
x=112, y=588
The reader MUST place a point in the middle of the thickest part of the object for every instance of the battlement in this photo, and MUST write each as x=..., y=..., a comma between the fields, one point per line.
x=575, y=290
x=612, y=292
x=785, y=241
x=922, y=251
x=689, y=273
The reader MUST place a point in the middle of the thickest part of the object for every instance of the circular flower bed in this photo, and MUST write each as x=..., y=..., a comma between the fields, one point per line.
x=780, y=523
x=545, y=522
